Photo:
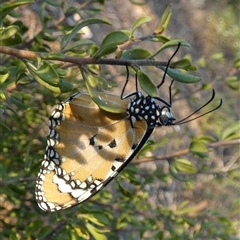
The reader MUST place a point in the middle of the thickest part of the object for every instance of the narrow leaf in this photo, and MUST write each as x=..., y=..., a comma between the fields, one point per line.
x=106, y=50
x=8, y=7
x=124, y=191
x=232, y=132
x=47, y=73
x=164, y=20
x=67, y=38
x=79, y=43
x=204, y=139
x=136, y=53
x=169, y=44
x=180, y=76
x=105, y=105
x=140, y=21
x=14, y=40
x=184, y=64
x=184, y=165
x=97, y=82
x=147, y=84
x=6, y=33
x=59, y=86
x=4, y=74
x=2, y=125
x=233, y=82
x=110, y=43
x=95, y=232
x=175, y=173
x=198, y=147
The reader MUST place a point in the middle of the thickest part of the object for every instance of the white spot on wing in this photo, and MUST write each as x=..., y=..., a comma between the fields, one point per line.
x=62, y=186
x=77, y=193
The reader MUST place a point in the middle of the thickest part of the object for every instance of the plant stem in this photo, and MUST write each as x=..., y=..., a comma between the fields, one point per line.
x=76, y=60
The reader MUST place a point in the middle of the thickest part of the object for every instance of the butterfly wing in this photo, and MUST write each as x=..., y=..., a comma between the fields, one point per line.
x=87, y=147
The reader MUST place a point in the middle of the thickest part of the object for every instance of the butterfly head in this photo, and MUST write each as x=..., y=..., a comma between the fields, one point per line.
x=166, y=117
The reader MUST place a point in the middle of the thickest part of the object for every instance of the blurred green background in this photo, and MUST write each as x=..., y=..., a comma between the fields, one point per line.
x=195, y=193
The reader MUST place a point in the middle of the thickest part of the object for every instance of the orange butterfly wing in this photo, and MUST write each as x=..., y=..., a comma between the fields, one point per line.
x=87, y=148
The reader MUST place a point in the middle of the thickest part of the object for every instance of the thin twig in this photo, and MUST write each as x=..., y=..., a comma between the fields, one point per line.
x=184, y=151
x=76, y=60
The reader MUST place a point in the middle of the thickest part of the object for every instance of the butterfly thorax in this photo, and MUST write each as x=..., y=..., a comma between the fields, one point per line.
x=145, y=107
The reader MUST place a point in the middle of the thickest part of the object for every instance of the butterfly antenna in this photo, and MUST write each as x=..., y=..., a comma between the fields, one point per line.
x=126, y=82
x=136, y=82
x=170, y=93
x=184, y=120
x=169, y=61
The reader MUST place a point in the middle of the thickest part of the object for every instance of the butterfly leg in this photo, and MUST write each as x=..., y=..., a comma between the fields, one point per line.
x=125, y=84
x=169, y=61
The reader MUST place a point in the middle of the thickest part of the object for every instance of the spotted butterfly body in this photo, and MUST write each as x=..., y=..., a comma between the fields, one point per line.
x=87, y=147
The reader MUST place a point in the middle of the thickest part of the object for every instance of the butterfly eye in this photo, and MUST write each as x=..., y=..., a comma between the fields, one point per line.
x=166, y=117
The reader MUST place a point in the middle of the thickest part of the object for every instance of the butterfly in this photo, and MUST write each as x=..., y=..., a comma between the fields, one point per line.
x=87, y=147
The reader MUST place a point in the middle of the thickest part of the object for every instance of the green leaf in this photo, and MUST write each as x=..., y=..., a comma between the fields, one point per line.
x=164, y=20
x=22, y=27
x=111, y=48
x=97, y=82
x=78, y=43
x=147, y=84
x=46, y=35
x=232, y=132
x=135, y=53
x=4, y=74
x=33, y=226
x=110, y=43
x=159, y=38
x=184, y=64
x=180, y=76
x=14, y=40
x=15, y=100
x=47, y=73
x=74, y=232
x=184, y=165
x=218, y=57
x=2, y=125
x=95, y=232
x=67, y=38
x=12, y=110
x=169, y=44
x=204, y=139
x=140, y=21
x=124, y=191
x=44, y=231
x=149, y=147
x=101, y=217
x=105, y=104
x=10, y=36
x=175, y=172
x=48, y=77
x=236, y=63
x=198, y=147
x=64, y=86
x=50, y=56
x=92, y=218
x=6, y=33
x=233, y=82
x=6, y=8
